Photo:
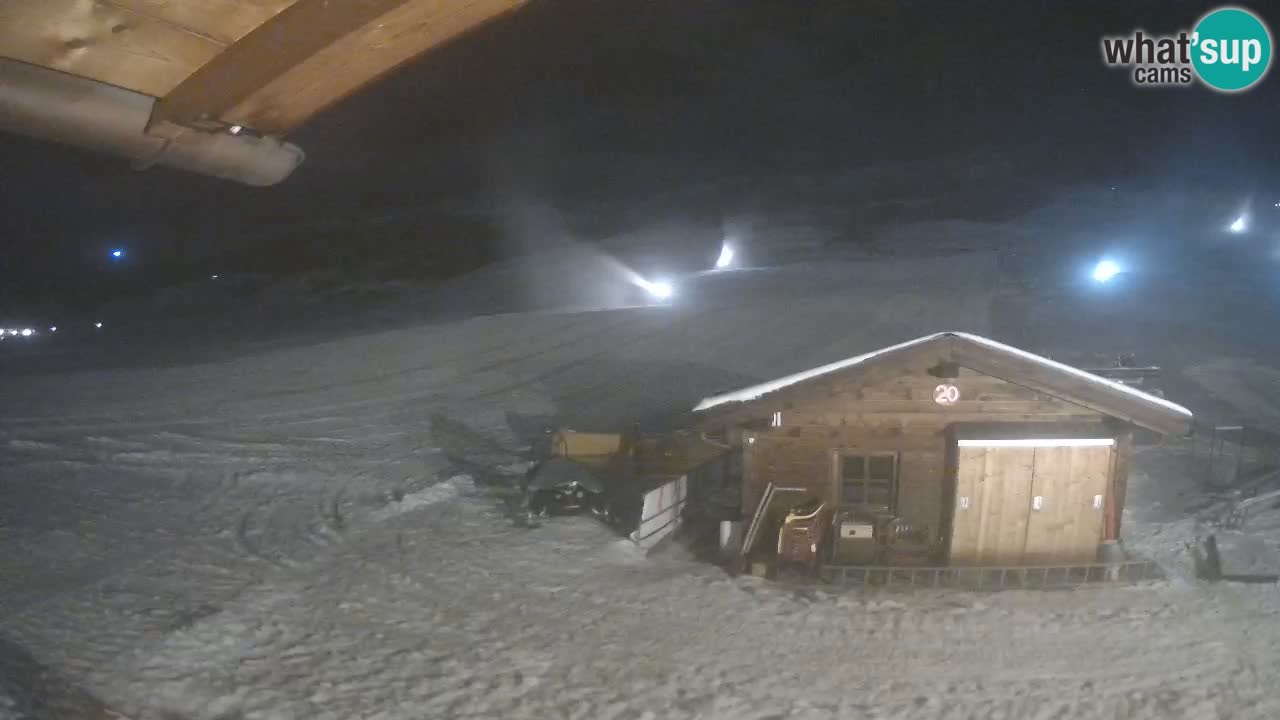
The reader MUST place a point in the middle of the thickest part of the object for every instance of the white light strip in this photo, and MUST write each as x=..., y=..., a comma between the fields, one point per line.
x=1040, y=442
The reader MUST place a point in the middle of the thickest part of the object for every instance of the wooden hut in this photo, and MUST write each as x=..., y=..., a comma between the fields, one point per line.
x=970, y=451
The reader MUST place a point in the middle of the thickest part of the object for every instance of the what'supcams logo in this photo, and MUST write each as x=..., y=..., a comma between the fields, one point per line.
x=1229, y=50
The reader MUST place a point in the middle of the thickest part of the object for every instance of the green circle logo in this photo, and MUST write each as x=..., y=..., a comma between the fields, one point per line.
x=1231, y=49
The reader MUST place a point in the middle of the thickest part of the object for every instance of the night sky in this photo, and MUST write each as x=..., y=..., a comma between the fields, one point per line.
x=571, y=103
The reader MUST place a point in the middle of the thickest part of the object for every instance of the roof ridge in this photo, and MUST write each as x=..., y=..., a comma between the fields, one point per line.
x=758, y=390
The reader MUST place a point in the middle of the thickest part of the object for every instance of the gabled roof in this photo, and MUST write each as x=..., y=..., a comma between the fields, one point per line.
x=998, y=360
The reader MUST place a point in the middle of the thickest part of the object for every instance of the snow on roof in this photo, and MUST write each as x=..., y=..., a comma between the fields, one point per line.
x=757, y=391
x=764, y=388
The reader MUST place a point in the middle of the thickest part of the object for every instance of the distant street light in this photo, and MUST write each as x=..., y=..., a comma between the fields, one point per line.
x=1105, y=270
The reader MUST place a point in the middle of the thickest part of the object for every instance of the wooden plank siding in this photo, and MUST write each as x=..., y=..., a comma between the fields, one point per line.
x=1118, y=485
x=315, y=53
x=795, y=434
x=992, y=530
x=896, y=414
x=1068, y=528
x=899, y=415
x=225, y=21
x=102, y=41
x=264, y=64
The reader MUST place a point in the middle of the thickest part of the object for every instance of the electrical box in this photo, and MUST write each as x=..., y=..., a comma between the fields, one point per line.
x=857, y=531
x=855, y=543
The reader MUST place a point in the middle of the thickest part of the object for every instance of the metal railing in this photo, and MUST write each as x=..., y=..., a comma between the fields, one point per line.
x=1231, y=456
x=1037, y=577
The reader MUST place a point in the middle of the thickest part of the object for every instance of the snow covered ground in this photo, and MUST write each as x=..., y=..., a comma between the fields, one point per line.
x=319, y=530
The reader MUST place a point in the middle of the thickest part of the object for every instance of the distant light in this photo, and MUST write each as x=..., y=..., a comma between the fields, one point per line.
x=117, y=253
x=726, y=256
x=26, y=332
x=236, y=129
x=98, y=325
x=13, y=332
x=1105, y=270
x=1239, y=225
x=661, y=289
x=1278, y=204
x=213, y=277
x=53, y=328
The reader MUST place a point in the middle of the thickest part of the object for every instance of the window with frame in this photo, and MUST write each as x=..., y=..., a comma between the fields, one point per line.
x=869, y=481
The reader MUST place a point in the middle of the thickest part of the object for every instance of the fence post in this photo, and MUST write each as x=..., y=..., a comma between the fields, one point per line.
x=1235, y=479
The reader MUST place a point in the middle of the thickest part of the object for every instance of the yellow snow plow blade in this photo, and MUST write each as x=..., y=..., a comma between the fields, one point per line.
x=588, y=448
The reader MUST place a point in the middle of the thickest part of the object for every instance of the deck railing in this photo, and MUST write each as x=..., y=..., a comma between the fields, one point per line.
x=993, y=577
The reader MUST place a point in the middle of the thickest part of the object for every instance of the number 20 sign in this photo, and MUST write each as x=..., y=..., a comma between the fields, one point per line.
x=946, y=394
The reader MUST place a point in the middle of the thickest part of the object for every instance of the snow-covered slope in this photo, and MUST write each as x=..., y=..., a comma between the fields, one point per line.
x=319, y=531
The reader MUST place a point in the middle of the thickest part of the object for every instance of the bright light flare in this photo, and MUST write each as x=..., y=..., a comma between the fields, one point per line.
x=1105, y=270
x=657, y=289
x=660, y=289
x=53, y=328
x=726, y=257
x=98, y=325
x=26, y=332
x=1239, y=225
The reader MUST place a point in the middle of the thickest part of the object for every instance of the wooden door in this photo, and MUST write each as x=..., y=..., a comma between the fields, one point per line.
x=1071, y=483
x=1029, y=502
x=993, y=494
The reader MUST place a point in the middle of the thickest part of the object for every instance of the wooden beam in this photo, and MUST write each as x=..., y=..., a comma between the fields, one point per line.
x=268, y=52
x=1118, y=488
x=110, y=43
x=311, y=55
x=223, y=21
